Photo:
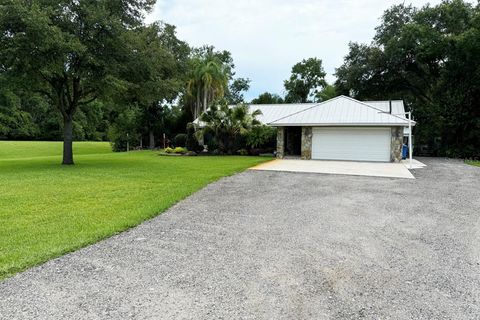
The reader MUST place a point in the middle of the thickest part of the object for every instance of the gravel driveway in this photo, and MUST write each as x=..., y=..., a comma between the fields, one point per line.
x=273, y=245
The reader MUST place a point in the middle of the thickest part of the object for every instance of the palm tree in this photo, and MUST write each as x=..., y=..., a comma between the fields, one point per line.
x=226, y=124
x=207, y=83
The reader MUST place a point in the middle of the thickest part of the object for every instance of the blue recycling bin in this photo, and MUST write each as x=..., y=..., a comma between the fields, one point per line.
x=404, y=151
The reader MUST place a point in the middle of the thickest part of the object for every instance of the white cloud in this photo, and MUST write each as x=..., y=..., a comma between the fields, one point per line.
x=267, y=37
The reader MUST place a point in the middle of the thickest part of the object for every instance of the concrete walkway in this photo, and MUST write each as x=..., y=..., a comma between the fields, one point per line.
x=415, y=164
x=279, y=245
x=372, y=169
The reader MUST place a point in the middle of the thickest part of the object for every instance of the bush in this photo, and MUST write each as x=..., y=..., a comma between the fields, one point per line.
x=211, y=144
x=191, y=142
x=180, y=140
x=216, y=152
x=261, y=137
x=180, y=150
x=242, y=152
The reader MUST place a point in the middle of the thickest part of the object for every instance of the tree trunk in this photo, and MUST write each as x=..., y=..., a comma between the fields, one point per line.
x=197, y=107
x=151, y=140
x=67, y=140
x=205, y=93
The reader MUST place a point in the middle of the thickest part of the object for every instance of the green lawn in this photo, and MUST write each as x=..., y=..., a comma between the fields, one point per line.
x=28, y=149
x=473, y=163
x=47, y=209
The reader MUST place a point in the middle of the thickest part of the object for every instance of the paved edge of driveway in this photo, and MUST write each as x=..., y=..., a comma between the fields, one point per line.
x=365, y=169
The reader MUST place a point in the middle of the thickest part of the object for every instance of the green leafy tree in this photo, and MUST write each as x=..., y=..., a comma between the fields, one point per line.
x=156, y=73
x=429, y=58
x=207, y=82
x=124, y=131
x=307, y=79
x=236, y=90
x=327, y=93
x=15, y=120
x=209, y=74
x=69, y=51
x=268, y=98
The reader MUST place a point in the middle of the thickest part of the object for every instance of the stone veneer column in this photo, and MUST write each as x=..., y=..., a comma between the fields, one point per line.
x=306, y=143
x=396, y=144
x=280, y=142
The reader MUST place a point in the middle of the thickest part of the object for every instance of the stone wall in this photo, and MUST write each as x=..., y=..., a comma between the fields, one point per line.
x=280, y=142
x=306, y=143
x=396, y=144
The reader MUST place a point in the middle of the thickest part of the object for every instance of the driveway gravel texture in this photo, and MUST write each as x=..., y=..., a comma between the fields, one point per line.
x=278, y=245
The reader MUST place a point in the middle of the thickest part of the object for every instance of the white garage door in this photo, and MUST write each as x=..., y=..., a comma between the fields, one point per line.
x=360, y=144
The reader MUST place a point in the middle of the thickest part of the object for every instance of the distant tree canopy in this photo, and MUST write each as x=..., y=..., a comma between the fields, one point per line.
x=156, y=74
x=268, y=98
x=328, y=92
x=236, y=90
x=307, y=79
x=428, y=57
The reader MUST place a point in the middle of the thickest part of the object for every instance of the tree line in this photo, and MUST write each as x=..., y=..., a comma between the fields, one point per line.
x=94, y=70
x=429, y=57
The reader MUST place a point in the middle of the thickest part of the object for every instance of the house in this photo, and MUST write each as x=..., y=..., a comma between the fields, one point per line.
x=341, y=128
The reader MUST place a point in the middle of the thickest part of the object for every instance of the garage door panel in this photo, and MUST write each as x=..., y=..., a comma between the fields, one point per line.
x=357, y=144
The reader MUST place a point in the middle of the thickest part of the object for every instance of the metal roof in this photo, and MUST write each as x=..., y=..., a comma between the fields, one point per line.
x=341, y=111
x=398, y=109
x=272, y=112
x=397, y=106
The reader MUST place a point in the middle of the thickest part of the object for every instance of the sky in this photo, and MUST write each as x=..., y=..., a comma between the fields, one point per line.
x=267, y=37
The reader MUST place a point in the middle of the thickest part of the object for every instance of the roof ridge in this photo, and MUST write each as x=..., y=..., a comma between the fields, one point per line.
x=397, y=100
x=314, y=106
x=278, y=104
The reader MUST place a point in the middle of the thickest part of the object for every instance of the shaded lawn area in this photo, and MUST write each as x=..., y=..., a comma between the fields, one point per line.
x=473, y=163
x=47, y=209
x=33, y=149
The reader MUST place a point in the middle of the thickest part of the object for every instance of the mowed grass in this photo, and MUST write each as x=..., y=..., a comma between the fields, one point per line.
x=473, y=163
x=29, y=149
x=47, y=209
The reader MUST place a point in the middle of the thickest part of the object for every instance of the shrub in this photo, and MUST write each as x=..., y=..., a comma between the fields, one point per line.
x=242, y=152
x=191, y=142
x=211, y=143
x=180, y=150
x=169, y=150
x=180, y=140
x=261, y=136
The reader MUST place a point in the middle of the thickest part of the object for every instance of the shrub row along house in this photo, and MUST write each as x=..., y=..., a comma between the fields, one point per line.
x=341, y=128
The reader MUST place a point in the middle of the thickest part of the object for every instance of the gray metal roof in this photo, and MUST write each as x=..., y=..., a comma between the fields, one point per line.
x=397, y=106
x=272, y=112
x=341, y=111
